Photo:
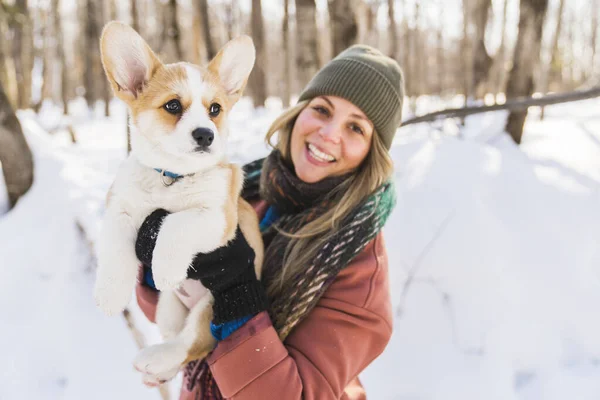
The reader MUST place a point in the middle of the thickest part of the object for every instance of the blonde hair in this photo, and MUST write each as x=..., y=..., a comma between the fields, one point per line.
x=375, y=170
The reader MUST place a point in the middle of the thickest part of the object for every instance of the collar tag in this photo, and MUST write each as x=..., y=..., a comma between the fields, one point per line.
x=167, y=178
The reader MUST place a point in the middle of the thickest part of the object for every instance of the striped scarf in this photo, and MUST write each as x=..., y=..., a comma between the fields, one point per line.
x=298, y=203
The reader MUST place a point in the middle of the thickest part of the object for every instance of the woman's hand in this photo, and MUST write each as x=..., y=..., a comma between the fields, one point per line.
x=228, y=272
x=147, y=235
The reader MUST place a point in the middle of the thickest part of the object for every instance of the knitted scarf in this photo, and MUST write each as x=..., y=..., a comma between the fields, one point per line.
x=298, y=203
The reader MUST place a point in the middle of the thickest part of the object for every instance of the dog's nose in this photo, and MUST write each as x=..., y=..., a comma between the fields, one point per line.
x=203, y=136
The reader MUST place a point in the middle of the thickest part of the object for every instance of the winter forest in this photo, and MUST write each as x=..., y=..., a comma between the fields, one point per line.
x=492, y=246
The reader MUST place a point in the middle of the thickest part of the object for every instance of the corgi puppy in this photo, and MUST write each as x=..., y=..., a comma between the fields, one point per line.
x=177, y=162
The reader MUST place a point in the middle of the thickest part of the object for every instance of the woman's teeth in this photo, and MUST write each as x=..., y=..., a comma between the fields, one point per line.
x=319, y=155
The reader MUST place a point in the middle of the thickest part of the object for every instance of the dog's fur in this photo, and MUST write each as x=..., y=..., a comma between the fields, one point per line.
x=205, y=204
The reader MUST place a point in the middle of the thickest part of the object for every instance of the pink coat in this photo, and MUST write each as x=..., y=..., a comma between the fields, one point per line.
x=323, y=355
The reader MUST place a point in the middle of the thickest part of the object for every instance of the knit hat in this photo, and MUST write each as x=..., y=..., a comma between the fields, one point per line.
x=368, y=79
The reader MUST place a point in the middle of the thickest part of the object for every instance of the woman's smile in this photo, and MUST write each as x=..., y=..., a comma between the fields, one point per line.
x=315, y=155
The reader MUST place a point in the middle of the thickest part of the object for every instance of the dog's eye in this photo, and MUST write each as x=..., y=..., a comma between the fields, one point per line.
x=215, y=109
x=173, y=106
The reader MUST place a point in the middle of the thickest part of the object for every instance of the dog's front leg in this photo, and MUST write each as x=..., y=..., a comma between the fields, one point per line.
x=160, y=363
x=117, y=263
x=182, y=235
x=170, y=314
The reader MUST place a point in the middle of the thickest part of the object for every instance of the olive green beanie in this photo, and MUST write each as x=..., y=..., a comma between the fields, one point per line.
x=368, y=79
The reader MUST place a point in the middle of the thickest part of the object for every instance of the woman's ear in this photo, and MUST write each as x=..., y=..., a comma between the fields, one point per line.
x=128, y=61
x=233, y=65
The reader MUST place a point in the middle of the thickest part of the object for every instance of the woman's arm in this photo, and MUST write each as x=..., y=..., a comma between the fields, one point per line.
x=349, y=328
x=147, y=298
x=228, y=272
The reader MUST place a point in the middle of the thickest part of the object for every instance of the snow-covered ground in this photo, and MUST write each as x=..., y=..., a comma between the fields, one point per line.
x=492, y=251
x=53, y=341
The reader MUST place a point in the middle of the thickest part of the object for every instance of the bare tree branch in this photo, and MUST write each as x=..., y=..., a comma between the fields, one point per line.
x=519, y=103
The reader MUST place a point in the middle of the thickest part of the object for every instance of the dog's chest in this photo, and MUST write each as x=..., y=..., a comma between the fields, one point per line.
x=141, y=190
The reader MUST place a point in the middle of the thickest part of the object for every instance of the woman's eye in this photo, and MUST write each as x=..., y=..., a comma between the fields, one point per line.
x=214, y=110
x=321, y=110
x=357, y=129
x=173, y=107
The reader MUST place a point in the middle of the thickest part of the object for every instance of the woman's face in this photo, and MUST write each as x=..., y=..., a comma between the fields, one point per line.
x=330, y=137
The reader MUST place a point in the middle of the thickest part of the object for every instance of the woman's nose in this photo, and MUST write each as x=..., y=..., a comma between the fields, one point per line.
x=330, y=132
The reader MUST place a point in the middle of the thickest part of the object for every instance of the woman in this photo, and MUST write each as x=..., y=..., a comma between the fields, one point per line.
x=322, y=311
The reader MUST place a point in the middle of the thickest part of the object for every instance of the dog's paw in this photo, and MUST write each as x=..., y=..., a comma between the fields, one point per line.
x=169, y=273
x=209, y=239
x=160, y=363
x=112, y=296
x=170, y=263
x=151, y=381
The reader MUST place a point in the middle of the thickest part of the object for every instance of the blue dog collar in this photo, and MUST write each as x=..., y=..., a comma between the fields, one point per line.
x=164, y=174
x=170, y=174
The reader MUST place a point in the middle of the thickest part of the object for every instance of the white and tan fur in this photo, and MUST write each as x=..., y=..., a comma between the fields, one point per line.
x=205, y=204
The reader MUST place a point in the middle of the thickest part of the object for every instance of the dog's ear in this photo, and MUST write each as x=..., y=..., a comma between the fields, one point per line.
x=233, y=65
x=128, y=61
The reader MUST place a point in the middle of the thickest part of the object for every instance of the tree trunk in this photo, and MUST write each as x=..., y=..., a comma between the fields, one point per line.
x=202, y=11
x=419, y=56
x=15, y=156
x=198, y=50
x=392, y=31
x=481, y=59
x=135, y=17
x=555, y=63
x=22, y=52
x=77, y=74
x=112, y=10
x=440, y=54
x=467, y=52
x=257, y=79
x=92, y=73
x=7, y=70
x=594, y=35
x=552, y=70
x=343, y=23
x=173, y=29
x=48, y=51
x=307, y=49
x=368, y=29
x=285, y=26
x=103, y=82
x=170, y=42
x=231, y=18
x=500, y=59
x=406, y=53
x=526, y=58
x=572, y=45
x=60, y=61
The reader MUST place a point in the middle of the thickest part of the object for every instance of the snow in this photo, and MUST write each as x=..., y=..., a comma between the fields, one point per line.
x=492, y=252
x=494, y=263
x=54, y=342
